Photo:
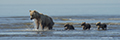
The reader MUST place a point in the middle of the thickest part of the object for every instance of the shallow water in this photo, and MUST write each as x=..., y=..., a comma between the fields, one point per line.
x=22, y=28
x=61, y=34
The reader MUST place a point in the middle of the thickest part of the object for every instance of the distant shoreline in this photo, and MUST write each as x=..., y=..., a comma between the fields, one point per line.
x=62, y=15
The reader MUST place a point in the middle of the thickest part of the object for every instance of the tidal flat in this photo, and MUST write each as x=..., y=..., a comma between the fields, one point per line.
x=22, y=28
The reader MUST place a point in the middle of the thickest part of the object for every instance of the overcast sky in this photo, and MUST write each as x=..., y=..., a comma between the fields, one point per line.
x=59, y=1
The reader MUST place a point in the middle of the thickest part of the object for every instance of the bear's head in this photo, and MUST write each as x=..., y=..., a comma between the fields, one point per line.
x=67, y=25
x=34, y=14
x=83, y=23
x=98, y=23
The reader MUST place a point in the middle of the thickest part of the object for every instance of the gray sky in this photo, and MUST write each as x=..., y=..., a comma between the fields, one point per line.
x=59, y=1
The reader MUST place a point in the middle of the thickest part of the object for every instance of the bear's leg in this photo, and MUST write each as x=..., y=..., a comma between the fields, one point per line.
x=102, y=28
x=66, y=28
x=37, y=27
x=42, y=27
x=84, y=28
x=50, y=27
x=73, y=28
x=105, y=28
x=98, y=28
x=37, y=24
x=88, y=28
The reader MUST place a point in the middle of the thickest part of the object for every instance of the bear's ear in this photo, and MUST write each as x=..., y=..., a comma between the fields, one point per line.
x=29, y=10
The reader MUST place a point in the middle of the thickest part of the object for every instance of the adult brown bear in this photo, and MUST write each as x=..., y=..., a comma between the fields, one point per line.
x=42, y=20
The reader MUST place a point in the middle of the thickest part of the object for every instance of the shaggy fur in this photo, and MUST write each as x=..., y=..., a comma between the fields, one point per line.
x=42, y=20
x=68, y=27
x=101, y=25
x=85, y=25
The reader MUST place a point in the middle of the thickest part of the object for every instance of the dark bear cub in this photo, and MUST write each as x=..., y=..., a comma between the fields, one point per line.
x=85, y=26
x=101, y=25
x=68, y=27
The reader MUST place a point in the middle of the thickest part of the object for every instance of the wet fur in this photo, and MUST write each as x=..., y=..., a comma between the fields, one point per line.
x=68, y=27
x=101, y=25
x=86, y=26
x=41, y=20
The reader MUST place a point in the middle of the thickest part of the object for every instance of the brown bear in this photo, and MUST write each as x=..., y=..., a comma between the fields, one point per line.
x=101, y=25
x=68, y=27
x=42, y=20
x=85, y=26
